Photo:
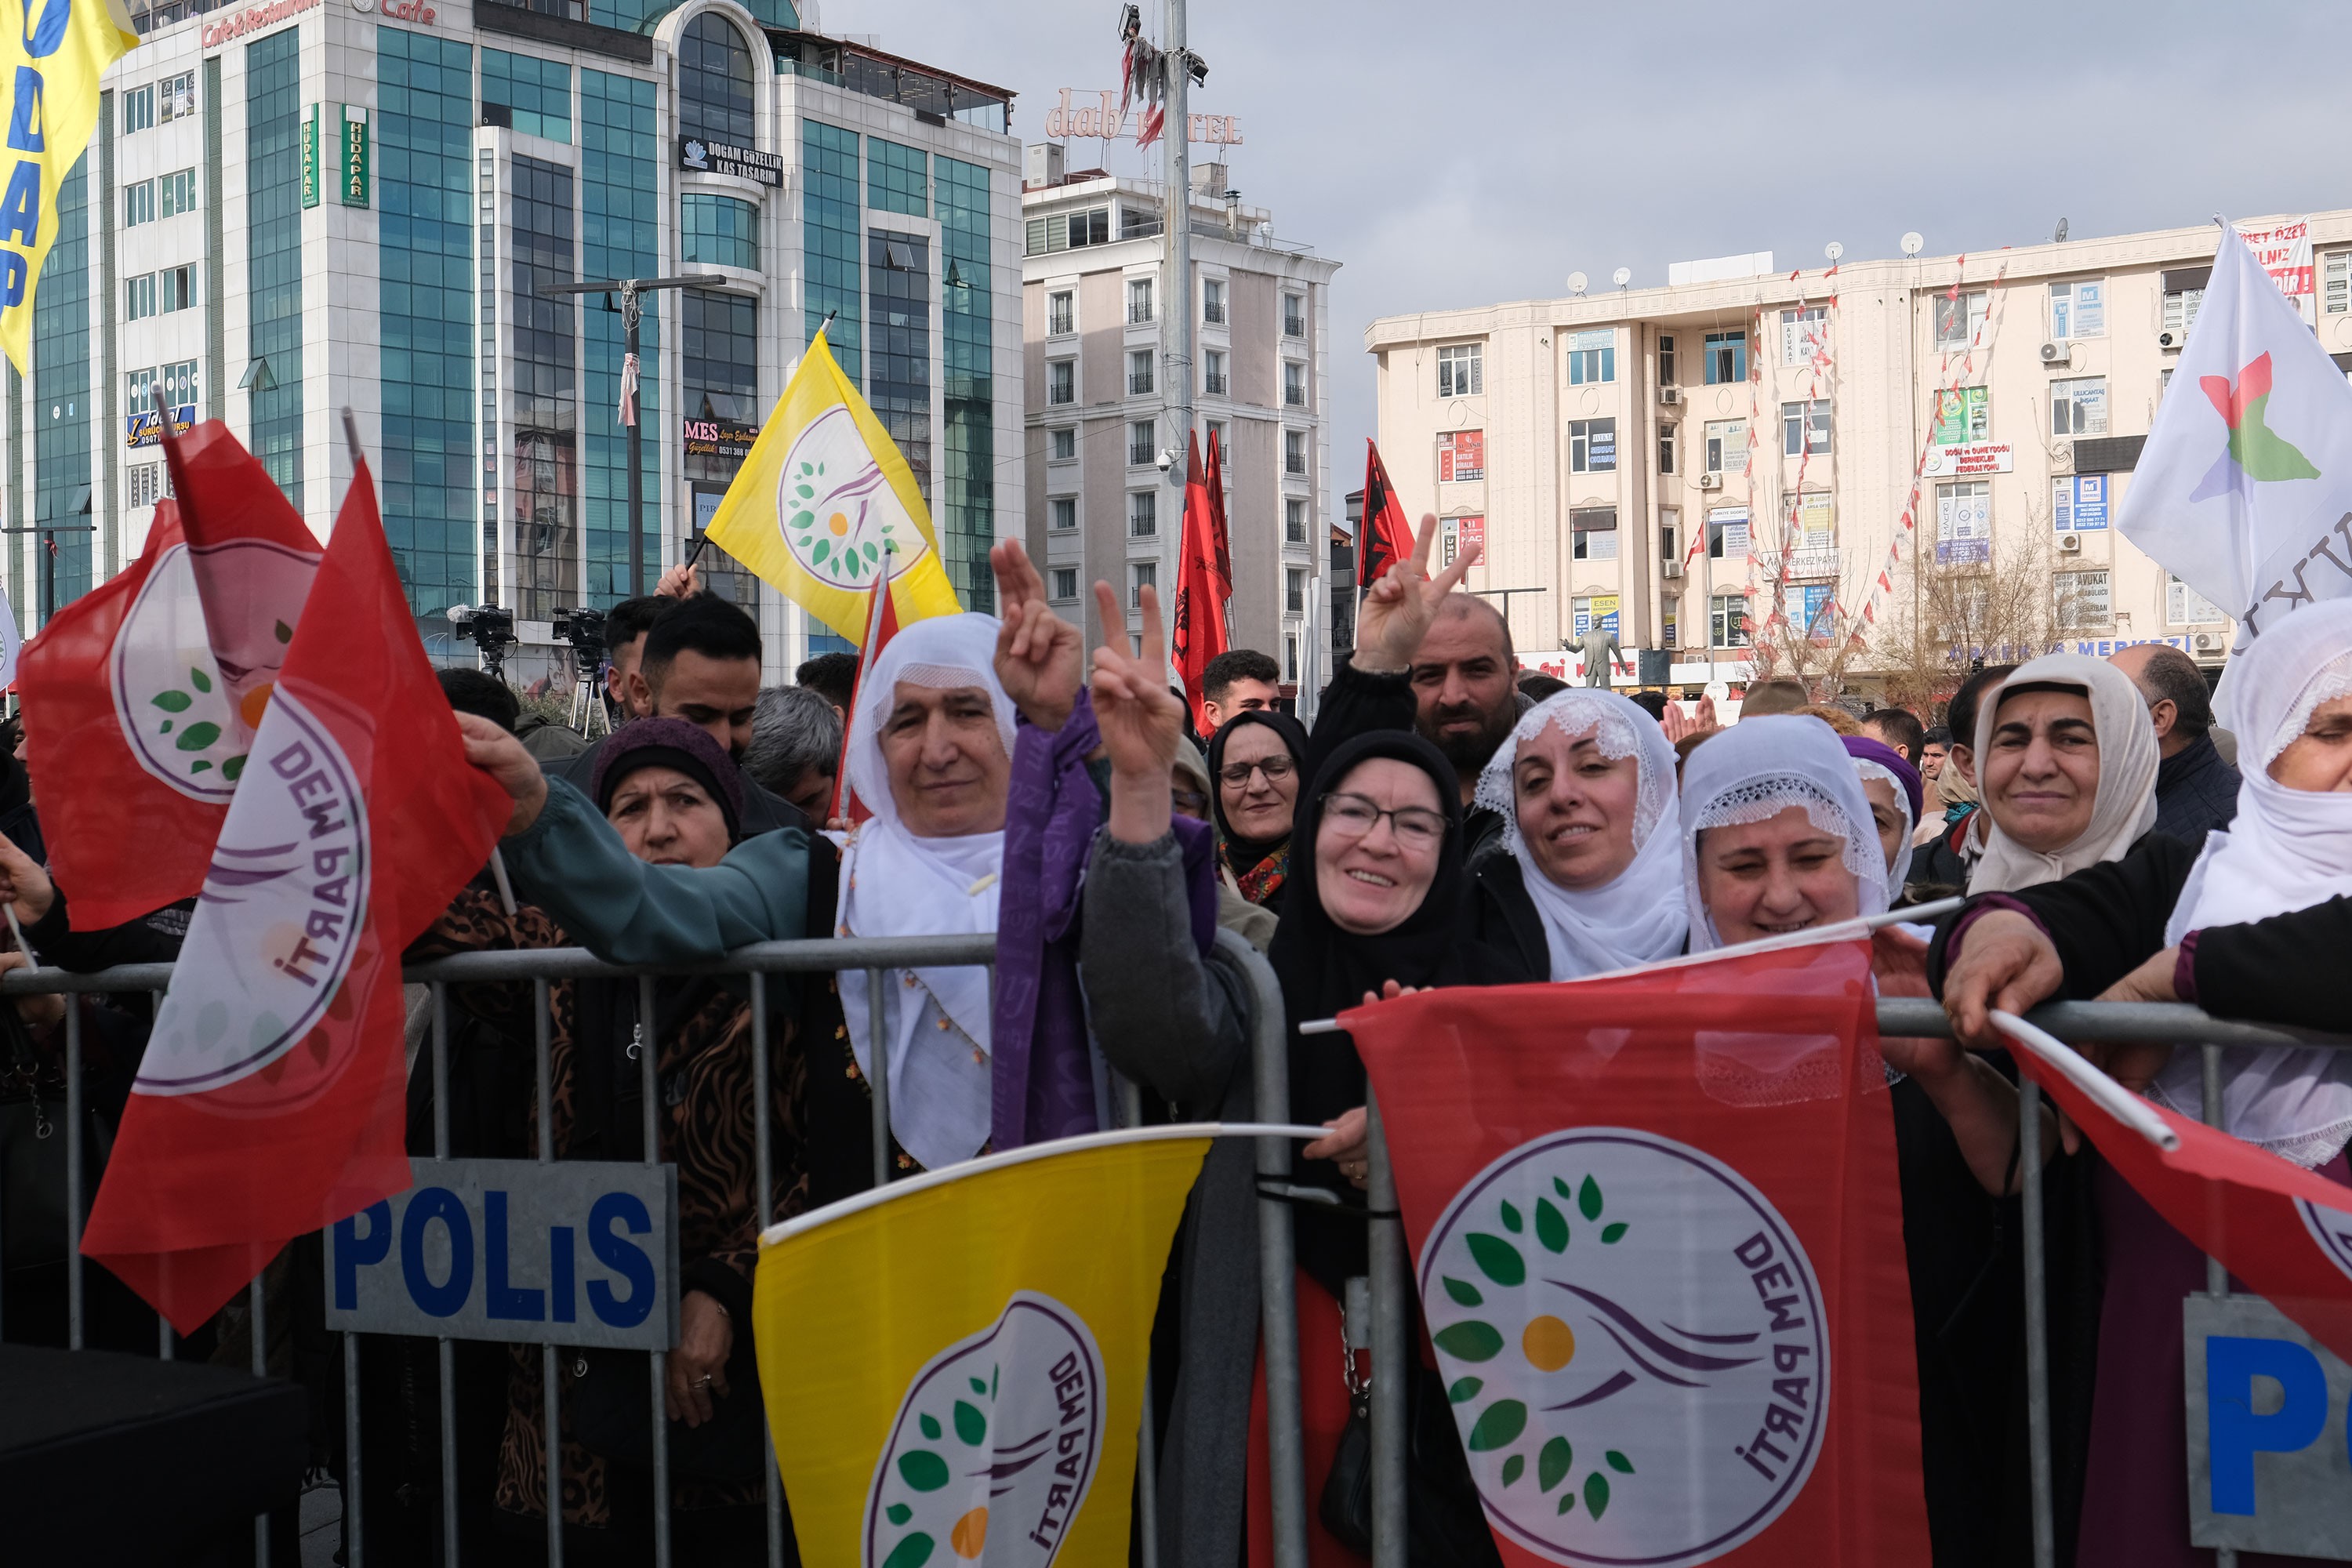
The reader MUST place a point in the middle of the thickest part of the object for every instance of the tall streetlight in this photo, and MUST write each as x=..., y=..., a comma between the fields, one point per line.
x=631, y=291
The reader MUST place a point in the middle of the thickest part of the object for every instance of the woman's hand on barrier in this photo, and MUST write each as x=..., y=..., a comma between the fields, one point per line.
x=1397, y=609
x=497, y=753
x=40, y=1014
x=696, y=1371
x=2132, y=1062
x=1347, y=1145
x=1037, y=652
x=1141, y=720
x=2006, y=962
x=25, y=884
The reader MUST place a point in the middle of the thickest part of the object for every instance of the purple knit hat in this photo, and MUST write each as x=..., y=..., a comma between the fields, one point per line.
x=670, y=743
x=1863, y=748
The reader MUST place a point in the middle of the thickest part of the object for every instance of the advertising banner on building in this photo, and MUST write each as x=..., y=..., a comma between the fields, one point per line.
x=311, y=157
x=355, y=155
x=718, y=437
x=2080, y=503
x=1472, y=530
x=697, y=156
x=1963, y=524
x=1602, y=607
x=1819, y=606
x=1963, y=415
x=143, y=429
x=1461, y=454
x=2285, y=252
x=1975, y=458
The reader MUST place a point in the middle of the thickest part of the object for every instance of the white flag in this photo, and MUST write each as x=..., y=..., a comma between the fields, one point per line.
x=9, y=642
x=2244, y=491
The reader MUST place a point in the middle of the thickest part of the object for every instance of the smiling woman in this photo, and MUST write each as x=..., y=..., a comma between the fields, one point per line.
x=1777, y=834
x=2068, y=761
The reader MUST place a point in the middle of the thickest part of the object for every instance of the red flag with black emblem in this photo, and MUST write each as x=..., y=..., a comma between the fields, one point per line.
x=1659, y=1243
x=1196, y=634
x=1384, y=537
x=881, y=625
x=270, y=1101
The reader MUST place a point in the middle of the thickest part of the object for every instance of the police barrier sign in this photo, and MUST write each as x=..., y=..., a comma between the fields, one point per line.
x=576, y=1253
x=2268, y=1411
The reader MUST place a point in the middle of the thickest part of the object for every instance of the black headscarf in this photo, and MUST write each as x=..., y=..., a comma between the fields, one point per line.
x=1245, y=855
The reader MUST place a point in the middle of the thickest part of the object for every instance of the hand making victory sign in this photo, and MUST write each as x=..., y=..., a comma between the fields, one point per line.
x=1397, y=609
x=1141, y=720
x=1036, y=651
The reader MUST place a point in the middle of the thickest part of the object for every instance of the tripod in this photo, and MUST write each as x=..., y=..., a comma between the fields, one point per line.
x=588, y=708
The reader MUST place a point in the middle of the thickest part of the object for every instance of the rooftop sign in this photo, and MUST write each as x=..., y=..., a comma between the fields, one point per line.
x=1105, y=120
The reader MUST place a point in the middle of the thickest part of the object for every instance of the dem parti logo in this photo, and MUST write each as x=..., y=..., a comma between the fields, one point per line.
x=1634, y=1346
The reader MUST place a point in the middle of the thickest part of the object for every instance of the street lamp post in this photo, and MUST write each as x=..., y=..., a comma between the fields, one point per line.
x=631, y=291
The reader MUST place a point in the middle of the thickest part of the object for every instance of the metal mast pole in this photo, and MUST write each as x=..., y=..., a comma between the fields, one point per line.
x=632, y=308
x=1176, y=323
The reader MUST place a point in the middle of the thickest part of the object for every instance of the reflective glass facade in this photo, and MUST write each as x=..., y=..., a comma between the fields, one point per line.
x=545, y=375
x=718, y=231
x=620, y=212
x=424, y=177
x=714, y=77
x=897, y=179
x=536, y=94
x=61, y=401
x=273, y=106
x=722, y=365
x=833, y=240
x=965, y=509
x=898, y=282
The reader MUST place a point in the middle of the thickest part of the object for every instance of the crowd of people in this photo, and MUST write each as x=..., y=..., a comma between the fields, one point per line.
x=1446, y=820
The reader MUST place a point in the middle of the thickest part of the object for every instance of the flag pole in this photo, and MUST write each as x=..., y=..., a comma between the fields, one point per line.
x=867, y=654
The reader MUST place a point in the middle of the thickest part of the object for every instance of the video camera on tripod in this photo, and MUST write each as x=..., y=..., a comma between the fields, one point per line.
x=490, y=628
x=583, y=629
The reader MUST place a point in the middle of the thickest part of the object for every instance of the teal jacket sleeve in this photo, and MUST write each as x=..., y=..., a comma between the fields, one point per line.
x=574, y=865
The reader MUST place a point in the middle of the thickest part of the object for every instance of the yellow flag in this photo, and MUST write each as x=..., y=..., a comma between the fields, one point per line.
x=825, y=501
x=953, y=1364
x=49, y=66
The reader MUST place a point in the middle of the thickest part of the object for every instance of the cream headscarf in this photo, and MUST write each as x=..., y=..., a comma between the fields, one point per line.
x=2124, y=807
x=2287, y=849
x=894, y=883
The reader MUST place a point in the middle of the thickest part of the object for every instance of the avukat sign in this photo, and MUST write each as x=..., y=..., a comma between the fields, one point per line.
x=1657, y=1232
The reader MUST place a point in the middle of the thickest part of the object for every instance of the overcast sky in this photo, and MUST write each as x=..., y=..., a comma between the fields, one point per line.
x=1479, y=151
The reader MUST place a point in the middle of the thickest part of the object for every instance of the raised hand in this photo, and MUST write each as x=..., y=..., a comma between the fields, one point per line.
x=1397, y=610
x=1141, y=720
x=680, y=582
x=1037, y=652
x=497, y=753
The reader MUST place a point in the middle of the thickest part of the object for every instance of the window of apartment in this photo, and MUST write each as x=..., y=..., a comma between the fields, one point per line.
x=1061, y=512
x=1061, y=313
x=1215, y=382
x=142, y=387
x=1963, y=522
x=1726, y=446
x=1670, y=529
x=1290, y=656
x=146, y=483
x=1727, y=533
x=1062, y=446
x=1294, y=315
x=1963, y=415
x=175, y=97
x=1804, y=333
x=1958, y=319
x=1138, y=300
x=139, y=297
x=1593, y=357
x=1461, y=371
x=1725, y=359
x=1293, y=383
x=1139, y=373
x=2181, y=308
x=1143, y=514
x=1066, y=583
x=1665, y=359
x=1294, y=451
x=179, y=383
x=1089, y=227
x=1294, y=521
x=2079, y=407
x=1592, y=445
x=139, y=108
x=1805, y=428
x=1665, y=448
x=1461, y=454
x=2083, y=601
x=177, y=193
x=1141, y=447
x=2078, y=503
x=1670, y=615
x=1592, y=533
x=1294, y=591
x=2336, y=282
x=2078, y=309
x=1062, y=385
x=1138, y=222
x=1726, y=616
x=2185, y=606
x=1216, y=431
x=1212, y=301
x=139, y=204
x=1140, y=574
x=1812, y=531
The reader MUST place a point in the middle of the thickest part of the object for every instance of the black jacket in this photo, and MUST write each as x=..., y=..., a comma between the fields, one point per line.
x=2196, y=792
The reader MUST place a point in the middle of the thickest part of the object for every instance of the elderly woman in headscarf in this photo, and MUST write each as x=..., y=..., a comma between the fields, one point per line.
x=1592, y=880
x=2254, y=926
x=1255, y=772
x=1375, y=887
x=1778, y=837
x=2066, y=758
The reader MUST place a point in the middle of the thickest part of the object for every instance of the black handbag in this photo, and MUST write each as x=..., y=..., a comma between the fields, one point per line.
x=613, y=1407
x=1444, y=1526
x=33, y=1153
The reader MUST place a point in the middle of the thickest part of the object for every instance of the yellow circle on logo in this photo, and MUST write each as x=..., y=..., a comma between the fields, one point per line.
x=1549, y=1343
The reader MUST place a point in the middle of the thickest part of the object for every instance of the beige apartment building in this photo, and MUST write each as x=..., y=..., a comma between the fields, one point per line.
x=1101, y=416
x=1645, y=456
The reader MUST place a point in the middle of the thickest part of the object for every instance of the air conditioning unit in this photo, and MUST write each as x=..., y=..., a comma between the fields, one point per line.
x=2070, y=544
x=2171, y=339
x=1710, y=481
x=1670, y=570
x=1670, y=396
x=2210, y=642
x=2057, y=353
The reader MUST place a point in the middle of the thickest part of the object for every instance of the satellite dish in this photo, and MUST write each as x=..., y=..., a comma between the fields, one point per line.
x=1576, y=282
x=1623, y=276
x=2060, y=238
x=1913, y=243
x=1834, y=251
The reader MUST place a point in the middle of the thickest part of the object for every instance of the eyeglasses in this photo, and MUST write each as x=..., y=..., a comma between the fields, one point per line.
x=1192, y=803
x=1275, y=768
x=1353, y=816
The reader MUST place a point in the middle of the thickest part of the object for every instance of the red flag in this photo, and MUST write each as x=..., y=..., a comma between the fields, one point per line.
x=1659, y=1242
x=1196, y=633
x=1213, y=463
x=2285, y=1231
x=1383, y=537
x=881, y=625
x=270, y=1102
x=142, y=698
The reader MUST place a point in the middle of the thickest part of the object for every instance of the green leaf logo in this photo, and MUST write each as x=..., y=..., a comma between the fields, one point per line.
x=1498, y=1259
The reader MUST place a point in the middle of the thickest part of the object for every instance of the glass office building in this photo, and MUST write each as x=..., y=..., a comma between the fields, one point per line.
x=297, y=206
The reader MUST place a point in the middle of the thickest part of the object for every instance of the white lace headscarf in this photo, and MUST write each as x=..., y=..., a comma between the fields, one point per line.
x=2287, y=849
x=1900, y=872
x=894, y=883
x=1635, y=918
x=1758, y=769
x=2124, y=807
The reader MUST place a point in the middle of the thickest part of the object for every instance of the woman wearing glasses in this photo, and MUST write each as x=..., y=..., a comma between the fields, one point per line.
x=1374, y=890
x=1254, y=764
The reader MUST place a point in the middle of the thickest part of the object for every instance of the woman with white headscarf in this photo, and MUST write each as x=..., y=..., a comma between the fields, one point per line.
x=2066, y=759
x=1585, y=788
x=1777, y=834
